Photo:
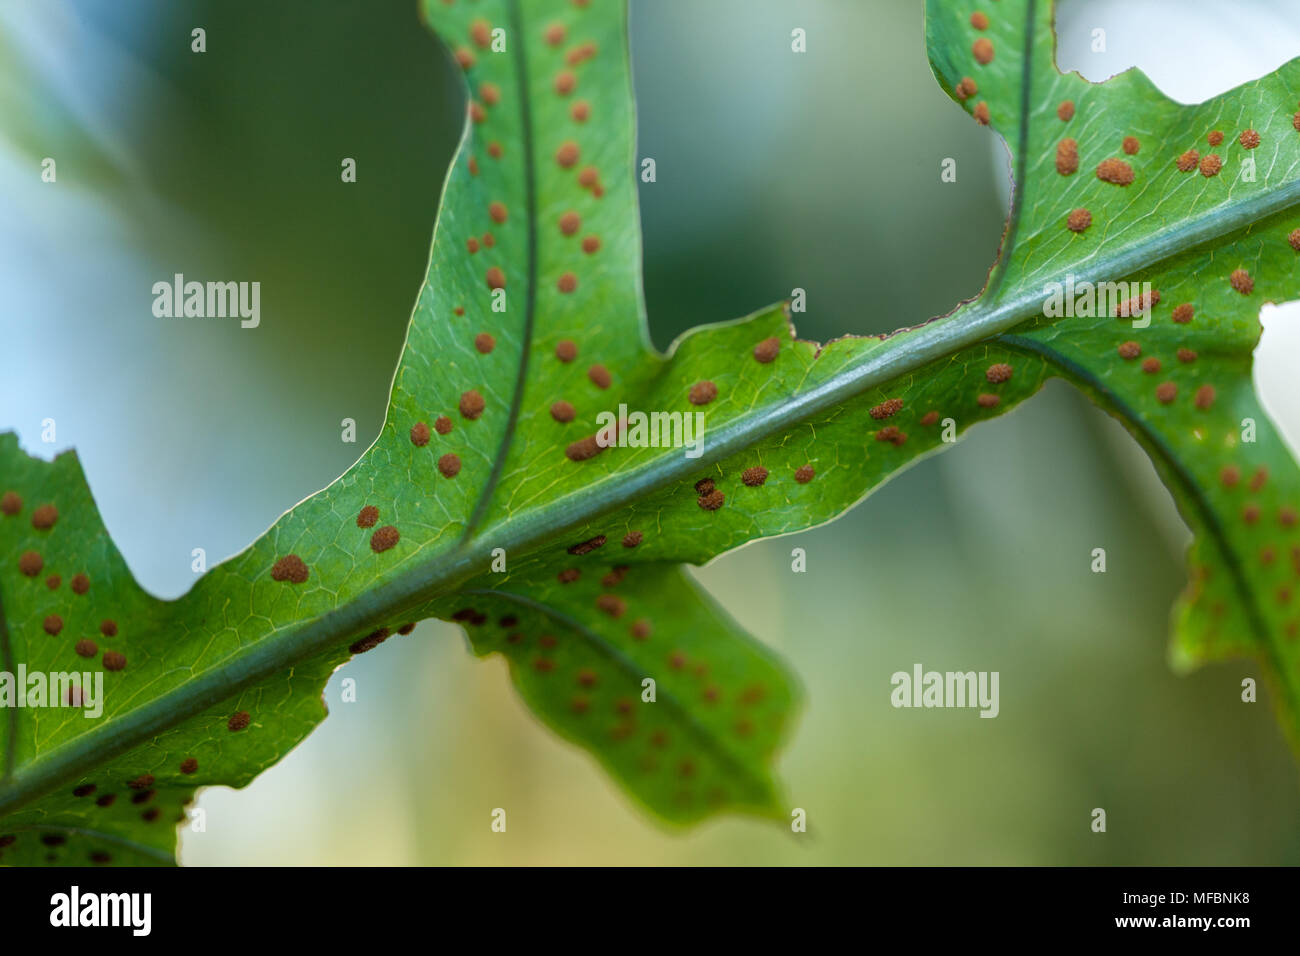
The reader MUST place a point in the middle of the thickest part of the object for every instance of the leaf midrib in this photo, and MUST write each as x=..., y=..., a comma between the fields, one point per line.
x=443, y=573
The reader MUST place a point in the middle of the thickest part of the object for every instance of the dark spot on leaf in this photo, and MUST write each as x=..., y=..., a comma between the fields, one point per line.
x=472, y=404
x=114, y=660
x=449, y=465
x=239, y=720
x=588, y=546
x=367, y=517
x=754, y=477
x=384, y=538
x=712, y=501
x=289, y=568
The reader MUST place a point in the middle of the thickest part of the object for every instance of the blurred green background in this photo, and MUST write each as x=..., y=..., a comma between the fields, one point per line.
x=774, y=171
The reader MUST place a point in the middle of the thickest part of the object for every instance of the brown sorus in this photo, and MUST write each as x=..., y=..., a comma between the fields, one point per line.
x=554, y=34
x=983, y=51
x=484, y=342
x=44, y=517
x=496, y=279
x=497, y=212
x=804, y=474
x=1079, y=220
x=472, y=404
x=189, y=765
x=998, y=372
x=753, y=477
x=985, y=400
x=449, y=465
x=1115, y=171
x=1129, y=350
x=599, y=375
x=892, y=434
x=53, y=582
x=979, y=21
x=442, y=425
x=570, y=223
x=567, y=154
x=565, y=350
x=887, y=408
x=588, y=546
x=641, y=629
x=1293, y=237
x=590, y=244
x=632, y=539
x=1067, y=156
x=583, y=449
x=929, y=418
x=30, y=563
x=419, y=434
x=966, y=88
x=565, y=82
x=85, y=790
x=52, y=624
x=80, y=583
x=1230, y=475
x=1138, y=304
x=367, y=517
x=1241, y=281
x=766, y=350
x=239, y=720
x=702, y=393
x=108, y=628
x=611, y=604
x=1183, y=313
x=712, y=501
x=981, y=113
x=369, y=642
x=569, y=575
x=1151, y=365
x=704, y=486
x=86, y=647
x=1214, y=137
x=580, y=111
x=1249, y=138
x=1131, y=145
x=114, y=660
x=1210, y=165
x=1186, y=355
x=1065, y=112
x=562, y=411
x=11, y=503
x=384, y=538
x=289, y=568
x=1204, y=396
x=142, y=782
x=1187, y=161
x=1166, y=392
